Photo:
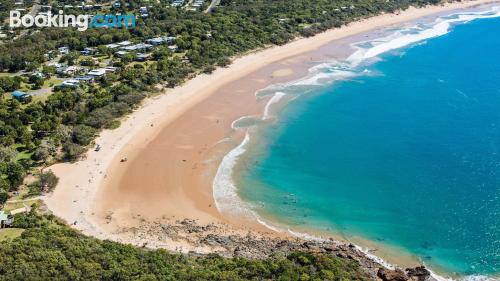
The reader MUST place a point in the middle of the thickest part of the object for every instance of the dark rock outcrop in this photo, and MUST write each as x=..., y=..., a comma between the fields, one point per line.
x=391, y=275
x=222, y=241
x=419, y=273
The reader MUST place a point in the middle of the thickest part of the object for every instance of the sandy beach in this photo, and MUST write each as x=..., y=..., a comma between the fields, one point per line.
x=175, y=142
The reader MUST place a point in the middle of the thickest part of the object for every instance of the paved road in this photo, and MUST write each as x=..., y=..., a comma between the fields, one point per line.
x=41, y=92
x=36, y=8
x=34, y=11
x=212, y=5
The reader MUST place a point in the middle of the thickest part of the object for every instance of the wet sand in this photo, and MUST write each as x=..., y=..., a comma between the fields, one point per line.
x=175, y=142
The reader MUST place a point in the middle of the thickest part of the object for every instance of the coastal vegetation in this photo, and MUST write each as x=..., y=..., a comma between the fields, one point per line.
x=62, y=125
x=49, y=250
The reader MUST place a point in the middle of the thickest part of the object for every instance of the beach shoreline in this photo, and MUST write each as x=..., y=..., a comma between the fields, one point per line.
x=175, y=142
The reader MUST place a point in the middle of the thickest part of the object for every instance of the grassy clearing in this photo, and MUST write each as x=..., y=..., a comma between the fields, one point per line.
x=10, y=233
x=19, y=202
x=9, y=206
x=52, y=82
x=23, y=155
x=8, y=74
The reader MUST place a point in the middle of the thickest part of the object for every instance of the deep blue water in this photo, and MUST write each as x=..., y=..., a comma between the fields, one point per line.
x=409, y=157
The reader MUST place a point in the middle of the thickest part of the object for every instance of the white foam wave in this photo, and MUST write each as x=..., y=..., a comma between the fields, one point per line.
x=224, y=140
x=275, y=99
x=224, y=188
x=233, y=124
x=227, y=201
x=408, y=36
x=305, y=236
x=480, y=278
x=466, y=278
x=319, y=78
x=375, y=258
x=268, y=225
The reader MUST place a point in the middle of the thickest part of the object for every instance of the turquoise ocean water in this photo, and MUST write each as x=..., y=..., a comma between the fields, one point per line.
x=403, y=148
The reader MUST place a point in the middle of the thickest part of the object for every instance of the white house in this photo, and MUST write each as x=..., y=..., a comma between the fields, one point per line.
x=110, y=69
x=112, y=46
x=64, y=50
x=97, y=72
x=124, y=43
x=68, y=70
x=161, y=40
x=5, y=219
x=70, y=83
x=141, y=47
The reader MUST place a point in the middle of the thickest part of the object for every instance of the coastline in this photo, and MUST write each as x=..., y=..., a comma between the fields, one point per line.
x=183, y=129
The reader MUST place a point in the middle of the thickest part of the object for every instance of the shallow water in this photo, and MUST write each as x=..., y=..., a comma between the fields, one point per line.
x=404, y=150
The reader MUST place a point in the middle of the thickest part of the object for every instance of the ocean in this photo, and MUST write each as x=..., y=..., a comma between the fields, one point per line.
x=399, y=144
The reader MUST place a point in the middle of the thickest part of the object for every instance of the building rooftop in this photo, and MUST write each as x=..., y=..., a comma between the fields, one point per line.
x=112, y=46
x=3, y=216
x=97, y=72
x=124, y=43
x=19, y=94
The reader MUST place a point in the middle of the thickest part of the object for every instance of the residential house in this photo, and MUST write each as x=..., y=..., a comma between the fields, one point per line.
x=125, y=43
x=85, y=79
x=21, y=96
x=141, y=47
x=45, y=8
x=110, y=69
x=64, y=50
x=121, y=54
x=142, y=57
x=70, y=83
x=112, y=46
x=198, y=3
x=177, y=3
x=97, y=72
x=5, y=220
x=161, y=40
x=144, y=12
x=68, y=70
x=55, y=64
x=38, y=74
x=88, y=51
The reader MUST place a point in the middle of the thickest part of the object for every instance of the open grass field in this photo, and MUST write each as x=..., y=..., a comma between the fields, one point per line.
x=10, y=233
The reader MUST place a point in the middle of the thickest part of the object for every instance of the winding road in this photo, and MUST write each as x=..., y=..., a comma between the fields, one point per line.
x=212, y=5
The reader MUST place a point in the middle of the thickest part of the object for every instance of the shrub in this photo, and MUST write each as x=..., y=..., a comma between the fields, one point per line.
x=83, y=134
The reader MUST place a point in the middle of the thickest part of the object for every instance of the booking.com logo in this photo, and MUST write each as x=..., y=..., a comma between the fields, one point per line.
x=81, y=22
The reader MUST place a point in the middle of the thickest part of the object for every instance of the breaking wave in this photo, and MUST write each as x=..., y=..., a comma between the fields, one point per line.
x=224, y=188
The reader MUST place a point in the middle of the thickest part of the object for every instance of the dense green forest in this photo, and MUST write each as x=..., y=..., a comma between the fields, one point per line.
x=63, y=126
x=48, y=250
